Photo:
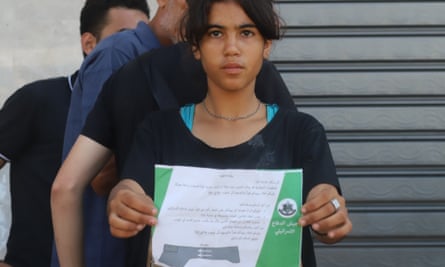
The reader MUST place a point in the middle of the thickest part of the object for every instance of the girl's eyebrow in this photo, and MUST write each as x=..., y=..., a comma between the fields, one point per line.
x=247, y=25
x=242, y=26
x=214, y=26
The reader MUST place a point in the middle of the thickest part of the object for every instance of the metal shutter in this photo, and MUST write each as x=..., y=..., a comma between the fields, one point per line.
x=373, y=72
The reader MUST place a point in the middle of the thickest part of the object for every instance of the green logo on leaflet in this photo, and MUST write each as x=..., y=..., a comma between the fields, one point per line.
x=287, y=208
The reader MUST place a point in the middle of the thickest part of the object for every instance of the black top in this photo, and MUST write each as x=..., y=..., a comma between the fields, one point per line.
x=164, y=78
x=291, y=140
x=32, y=124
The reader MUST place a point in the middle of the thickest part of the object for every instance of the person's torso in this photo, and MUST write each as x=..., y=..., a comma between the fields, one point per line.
x=279, y=145
x=273, y=147
x=32, y=173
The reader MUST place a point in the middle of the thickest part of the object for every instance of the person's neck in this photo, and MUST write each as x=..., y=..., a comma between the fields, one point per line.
x=231, y=106
x=163, y=37
x=228, y=121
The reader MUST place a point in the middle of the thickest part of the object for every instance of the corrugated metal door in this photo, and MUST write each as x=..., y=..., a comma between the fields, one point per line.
x=373, y=72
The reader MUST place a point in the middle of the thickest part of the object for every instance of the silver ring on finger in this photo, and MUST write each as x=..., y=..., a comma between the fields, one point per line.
x=335, y=203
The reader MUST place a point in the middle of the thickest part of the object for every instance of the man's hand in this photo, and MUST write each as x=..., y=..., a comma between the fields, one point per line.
x=129, y=209
x=106, y=179
x=325, y=211
x=4, y=264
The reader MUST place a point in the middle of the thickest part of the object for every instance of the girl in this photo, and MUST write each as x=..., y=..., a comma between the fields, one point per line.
x=231, y=128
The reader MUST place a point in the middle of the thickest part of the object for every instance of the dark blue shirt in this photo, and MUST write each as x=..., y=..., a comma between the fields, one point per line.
x=101, y=249
x=107, y=57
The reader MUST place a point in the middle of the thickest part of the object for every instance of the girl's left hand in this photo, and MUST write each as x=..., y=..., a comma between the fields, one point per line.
x=325, y=211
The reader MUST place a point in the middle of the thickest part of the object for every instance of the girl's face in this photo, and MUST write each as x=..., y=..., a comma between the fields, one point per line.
x=232, y=50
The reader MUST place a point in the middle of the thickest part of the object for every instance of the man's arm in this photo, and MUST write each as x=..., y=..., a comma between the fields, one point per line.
x=106, y=179
x=83, y=162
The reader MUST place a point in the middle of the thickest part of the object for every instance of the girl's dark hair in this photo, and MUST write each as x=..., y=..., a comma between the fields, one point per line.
x=93, y=16
x=261, y=12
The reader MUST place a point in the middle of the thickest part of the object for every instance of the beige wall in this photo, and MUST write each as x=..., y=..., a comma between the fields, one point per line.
x=39, y=39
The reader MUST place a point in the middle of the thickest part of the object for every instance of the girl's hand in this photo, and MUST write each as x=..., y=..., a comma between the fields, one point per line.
x=325, y=211
x=129, y=209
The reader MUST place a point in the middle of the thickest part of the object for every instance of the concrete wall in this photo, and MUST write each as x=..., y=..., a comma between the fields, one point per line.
x=40, y=39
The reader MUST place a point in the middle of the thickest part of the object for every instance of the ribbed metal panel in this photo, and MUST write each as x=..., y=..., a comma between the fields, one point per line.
x=373, y=72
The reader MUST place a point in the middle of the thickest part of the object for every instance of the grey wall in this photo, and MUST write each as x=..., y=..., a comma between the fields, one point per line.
x=40, y=39
x=373, y=72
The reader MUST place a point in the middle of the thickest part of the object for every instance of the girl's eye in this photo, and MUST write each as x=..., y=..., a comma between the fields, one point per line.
x=246, y=33
x=215, y=34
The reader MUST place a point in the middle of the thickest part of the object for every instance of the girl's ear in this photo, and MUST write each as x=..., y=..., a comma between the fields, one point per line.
x=267, y=49
x=196, y=52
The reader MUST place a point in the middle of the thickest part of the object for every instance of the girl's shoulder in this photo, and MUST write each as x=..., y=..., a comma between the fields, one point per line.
x=295, y=122
x=295, y=116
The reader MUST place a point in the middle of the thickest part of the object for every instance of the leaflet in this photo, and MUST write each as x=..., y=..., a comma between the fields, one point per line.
x=227, y=217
